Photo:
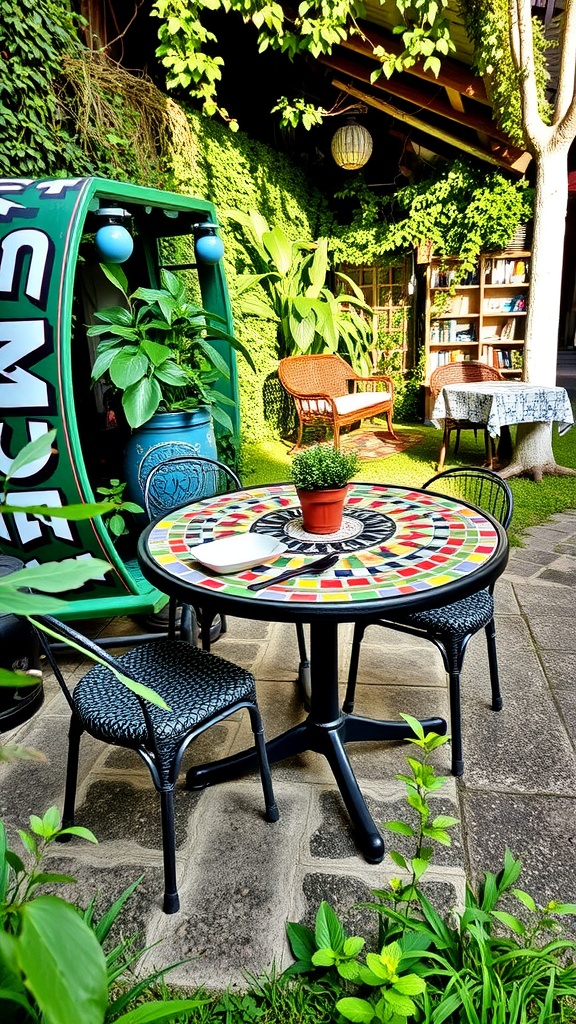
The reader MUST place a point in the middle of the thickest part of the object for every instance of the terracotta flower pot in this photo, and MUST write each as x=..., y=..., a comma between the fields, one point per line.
x=322, y=510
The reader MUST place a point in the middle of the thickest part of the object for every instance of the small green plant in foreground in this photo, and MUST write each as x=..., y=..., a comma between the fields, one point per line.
x=490, y=967
x=53, y=968
x=114, y=520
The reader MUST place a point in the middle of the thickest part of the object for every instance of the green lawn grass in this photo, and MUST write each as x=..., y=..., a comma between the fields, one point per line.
x=534, y=503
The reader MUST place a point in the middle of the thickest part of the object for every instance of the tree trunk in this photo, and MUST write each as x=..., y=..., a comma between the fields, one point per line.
x=541, y=345
x=533, y=455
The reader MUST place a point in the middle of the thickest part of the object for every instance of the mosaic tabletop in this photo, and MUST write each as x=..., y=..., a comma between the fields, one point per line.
x=394, y=542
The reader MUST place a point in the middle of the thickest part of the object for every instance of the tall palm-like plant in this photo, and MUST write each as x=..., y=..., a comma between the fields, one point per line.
x=310, y=317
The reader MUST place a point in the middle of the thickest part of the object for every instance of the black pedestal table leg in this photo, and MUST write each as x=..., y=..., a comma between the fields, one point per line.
x=295, y=741
x=356, y=728
x=326, y=726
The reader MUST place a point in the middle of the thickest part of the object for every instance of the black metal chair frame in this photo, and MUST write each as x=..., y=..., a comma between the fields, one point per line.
x=103, y=706
x=451, y=627
x=214, y=468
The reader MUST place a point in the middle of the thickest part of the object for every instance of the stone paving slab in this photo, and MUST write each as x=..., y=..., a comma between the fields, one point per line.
x=241, y=878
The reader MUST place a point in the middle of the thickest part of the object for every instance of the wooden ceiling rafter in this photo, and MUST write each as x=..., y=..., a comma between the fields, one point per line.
x=452, y=75
x=490, y=156
x=418, y=97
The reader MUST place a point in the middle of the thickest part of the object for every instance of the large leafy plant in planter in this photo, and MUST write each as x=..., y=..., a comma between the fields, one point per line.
x=157, y=351
x=293, y=277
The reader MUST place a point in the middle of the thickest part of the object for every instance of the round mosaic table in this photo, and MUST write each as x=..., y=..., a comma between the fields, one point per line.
x=399, y=548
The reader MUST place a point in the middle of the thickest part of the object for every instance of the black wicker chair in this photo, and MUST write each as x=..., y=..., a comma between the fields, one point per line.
x=199, y=690
x=188, y=478
x=451, y=627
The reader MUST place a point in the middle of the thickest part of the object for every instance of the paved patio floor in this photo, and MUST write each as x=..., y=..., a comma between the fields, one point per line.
x=240, y=878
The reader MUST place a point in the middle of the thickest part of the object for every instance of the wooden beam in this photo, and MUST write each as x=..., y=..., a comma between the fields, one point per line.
x=490, y=157
x=455, y=99
x=412, y=94
x=452, y=74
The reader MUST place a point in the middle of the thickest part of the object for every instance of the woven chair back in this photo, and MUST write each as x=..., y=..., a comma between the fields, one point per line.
x=463, y=372
x=315, y=375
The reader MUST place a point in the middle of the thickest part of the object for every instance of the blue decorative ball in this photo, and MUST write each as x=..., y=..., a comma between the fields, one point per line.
x=209, y=248
x=114, y=243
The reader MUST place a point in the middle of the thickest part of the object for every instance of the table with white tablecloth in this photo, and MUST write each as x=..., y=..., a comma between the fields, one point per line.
x=499, y=404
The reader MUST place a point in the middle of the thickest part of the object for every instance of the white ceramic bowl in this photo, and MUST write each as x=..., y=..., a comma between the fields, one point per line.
x=233, y=554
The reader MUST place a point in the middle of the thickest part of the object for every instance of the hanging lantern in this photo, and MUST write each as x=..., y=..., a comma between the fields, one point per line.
x=209, y=248
x=351, y=146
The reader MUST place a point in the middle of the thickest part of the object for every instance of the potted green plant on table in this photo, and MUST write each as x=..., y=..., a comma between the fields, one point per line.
x=321, y=474
x=157, y=352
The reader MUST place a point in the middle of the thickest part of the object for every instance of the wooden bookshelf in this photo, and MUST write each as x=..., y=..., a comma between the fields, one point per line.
x=482, y=318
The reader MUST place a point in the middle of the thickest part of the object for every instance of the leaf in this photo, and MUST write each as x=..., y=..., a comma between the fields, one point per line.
x=116, y=276
x=301, y=939
x=328, y=931
x=140, y=401
x=356, y=1010
x=280, y=248
x=37, y=449
x=401, y=827
x=55, y=577
x=63, y=962
x=414, y=724
x=128, y=366
x=353, y=945
x=159, y=1011
x=410, y=985
x=527, y=899
x=510, y=921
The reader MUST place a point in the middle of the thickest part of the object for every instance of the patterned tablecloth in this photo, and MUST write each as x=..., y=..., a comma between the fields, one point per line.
x=394, y=542
x=500, y=403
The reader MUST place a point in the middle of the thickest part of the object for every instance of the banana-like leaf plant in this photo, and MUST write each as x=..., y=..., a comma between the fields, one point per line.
x=310, y=317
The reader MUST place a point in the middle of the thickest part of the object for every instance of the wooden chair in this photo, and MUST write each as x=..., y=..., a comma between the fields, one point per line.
x=462, y=373
x=325, y=390
x=450, y=627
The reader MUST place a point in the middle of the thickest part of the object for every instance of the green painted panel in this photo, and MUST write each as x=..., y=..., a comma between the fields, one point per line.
x=50, y=282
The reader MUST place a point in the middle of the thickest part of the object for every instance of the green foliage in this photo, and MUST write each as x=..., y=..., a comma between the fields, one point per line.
x=35, y=140
x=309, y=317
x=114, y=520
x=52, y=965
x=51, y=577
x=491, y=966
x=321, y=467
x=314, y=28
x=157, y=351
x=464, y=211
x=425, y=33
x=487, y=24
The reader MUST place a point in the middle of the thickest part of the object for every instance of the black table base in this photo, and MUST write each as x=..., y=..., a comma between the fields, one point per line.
x=327, y=739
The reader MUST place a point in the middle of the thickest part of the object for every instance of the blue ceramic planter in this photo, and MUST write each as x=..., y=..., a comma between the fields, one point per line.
x=166, y=435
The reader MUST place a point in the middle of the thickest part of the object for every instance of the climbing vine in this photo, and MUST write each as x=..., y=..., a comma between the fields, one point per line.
x=33, y=38
x=487, y=24
x=463, y=211
x=313, y=27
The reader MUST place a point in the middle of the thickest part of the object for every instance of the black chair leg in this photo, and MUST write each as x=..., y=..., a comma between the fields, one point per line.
x=171, y=899
x=348, y=705
x=490, y=631
x=455, y=653
x=272, y=813
x=74, y=734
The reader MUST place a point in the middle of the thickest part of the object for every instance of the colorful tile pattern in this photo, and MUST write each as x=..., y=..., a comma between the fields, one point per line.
x=424, y=542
